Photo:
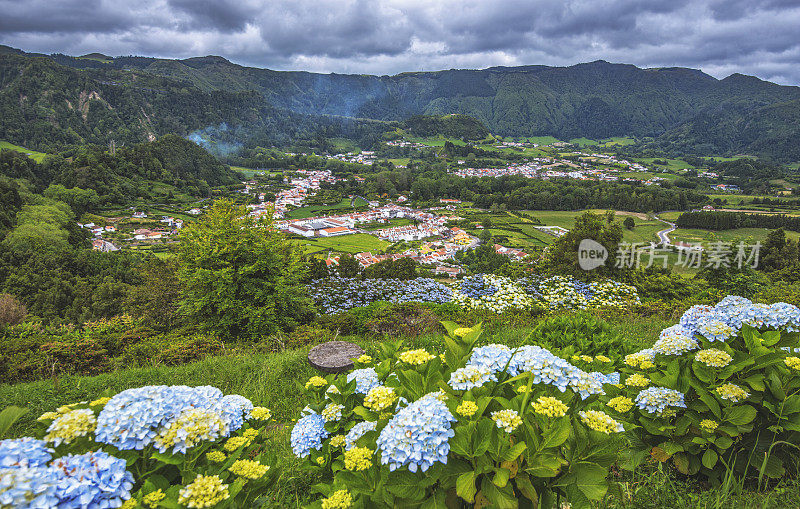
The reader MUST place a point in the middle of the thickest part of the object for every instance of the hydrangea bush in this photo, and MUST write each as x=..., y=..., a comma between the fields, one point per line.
x=480, y=291
x=153, y=446
x=718, y=392
x=486, y=425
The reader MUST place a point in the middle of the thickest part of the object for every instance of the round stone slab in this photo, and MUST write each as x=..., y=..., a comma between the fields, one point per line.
x=334, y=356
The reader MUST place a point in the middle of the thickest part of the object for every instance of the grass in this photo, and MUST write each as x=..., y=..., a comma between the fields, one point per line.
x=583, y=142
x=316, y=210
x=672, y=164
x=355, y=243
x=36, y=156
x=694, y=235
x=617, y=140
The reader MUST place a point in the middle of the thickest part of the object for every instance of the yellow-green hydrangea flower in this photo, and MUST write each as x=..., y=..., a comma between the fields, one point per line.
x=204, y=491
x=713, y=357
x=709, y=425
x=100, y=401
x=639, y=360
x=152, y=499
x=522, y=389
x=234, y=443
x=48, y=416
x=260, y=413
x=316, y=381
x=467, y=408
x=637, y=380
x=621, y=404
x=793, y=362
x=416, y=357
x=507, y=420
x=732, y=392
x=332, y=412
x=380, y=398
x=131, y=503
x=337, y=441
x=248, y=469
x=549, y=406
x=600, y=421
x=364, y=359
x=71, y=425
x=602, y=358
x=358, y=458
x=462, y=331
x=340, y=499
x=216, y=456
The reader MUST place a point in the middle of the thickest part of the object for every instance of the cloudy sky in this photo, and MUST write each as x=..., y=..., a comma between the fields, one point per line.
x=758, y=37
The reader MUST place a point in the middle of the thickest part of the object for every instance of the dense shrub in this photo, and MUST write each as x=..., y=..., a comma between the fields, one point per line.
x=408, y=319
x=12, y=312
x=474, y=423
x=153, y=446
x=578, y=334
x=719, y=392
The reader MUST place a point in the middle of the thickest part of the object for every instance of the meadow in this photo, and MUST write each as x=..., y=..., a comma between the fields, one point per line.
x=316, y=210
x=36, y=156
x=355, y=243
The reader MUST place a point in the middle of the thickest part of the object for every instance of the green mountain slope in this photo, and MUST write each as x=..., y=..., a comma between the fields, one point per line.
x=595, y=100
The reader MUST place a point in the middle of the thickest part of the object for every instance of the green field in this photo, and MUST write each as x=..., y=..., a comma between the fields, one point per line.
x=36, y=156
x=583, y=142
x=315, y=210
x=693, y=235
x=542, y=140
x=355, y=243
x=617, y=140
x=672, y=164
x=646, y=175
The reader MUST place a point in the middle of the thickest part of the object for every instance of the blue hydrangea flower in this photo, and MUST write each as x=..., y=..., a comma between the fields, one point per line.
x=418, y=436
x=657, y=399
x=28, y=487
x=714, y=330
x=24, y=452
x=307, y=434
x=469, y=377
x=133, y=418
x=676, y=340
x=366, y=379
x=94, y=479
x=358, y=431
x=236, y=409
x=493, y=357
x=694, y=314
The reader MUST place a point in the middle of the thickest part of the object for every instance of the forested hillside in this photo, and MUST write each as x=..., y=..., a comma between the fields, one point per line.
x=63, y=100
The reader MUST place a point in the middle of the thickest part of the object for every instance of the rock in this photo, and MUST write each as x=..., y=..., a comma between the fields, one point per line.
x=334, y=356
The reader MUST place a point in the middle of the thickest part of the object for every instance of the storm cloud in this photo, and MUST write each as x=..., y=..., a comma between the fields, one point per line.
x=721, y=37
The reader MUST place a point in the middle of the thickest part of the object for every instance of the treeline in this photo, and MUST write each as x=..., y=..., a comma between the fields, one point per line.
x=462, y=127
x=428, y=182
x=126, y=175
x=733, y=220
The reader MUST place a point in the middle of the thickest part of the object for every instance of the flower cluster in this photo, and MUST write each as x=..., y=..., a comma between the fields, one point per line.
x=358, y=458
x=417, y=436
x=657, y=399
x=358, y=431
x=561, y=292
x=732, y=392
x=709, y=425
x=380, y=398
x=637, y=380
x=93, y=479
x=549, y=406
x=792, y=362
x=494, y=293
x=365, y=378
x=416, y=357
x=248, y=469
x=24, y=452
x=307, y=434
x=332, y=412
x=340, y=499
x=600, y=421
x=469, y=377
x=674, y=340
x=68, y=426
x=507, y=420
x=713, y=357
x=621, y=404
x=204, y=491
x=338, y=294
x=467, y=408
x=134, y=418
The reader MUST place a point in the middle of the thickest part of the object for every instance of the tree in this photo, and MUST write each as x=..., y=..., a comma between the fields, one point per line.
x=629, y=223
x=562, y=257
x=348, y=266
x=156, y=298
x=239, y=276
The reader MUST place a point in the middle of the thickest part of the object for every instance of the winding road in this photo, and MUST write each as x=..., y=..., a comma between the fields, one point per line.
x=663, y=235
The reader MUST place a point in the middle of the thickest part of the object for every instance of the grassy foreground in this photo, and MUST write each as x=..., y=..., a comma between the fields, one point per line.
x=276, y=380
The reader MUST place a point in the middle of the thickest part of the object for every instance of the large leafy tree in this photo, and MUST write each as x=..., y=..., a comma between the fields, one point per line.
x=562, y=257
x=239, y=276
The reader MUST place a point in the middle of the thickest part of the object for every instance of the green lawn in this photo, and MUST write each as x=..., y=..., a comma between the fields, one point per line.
x=672, y=164
x=315, y=210
x=583, y=142
x=356, y=243
x=694, y=235
x=36, y=156
x=617, y=140
x=645, y=175
x=542, y=140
